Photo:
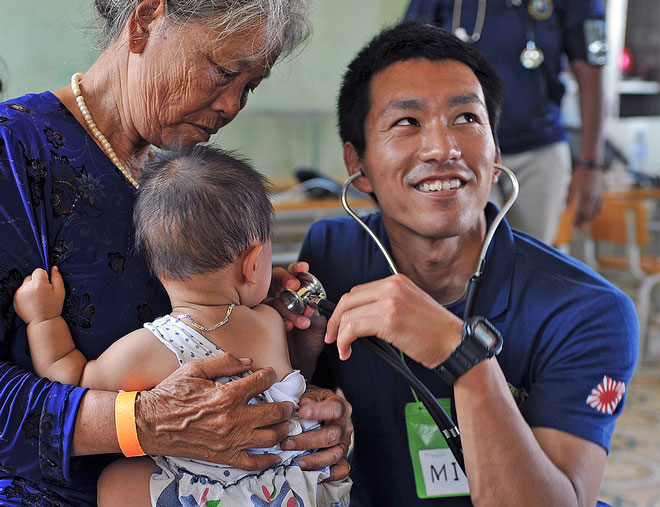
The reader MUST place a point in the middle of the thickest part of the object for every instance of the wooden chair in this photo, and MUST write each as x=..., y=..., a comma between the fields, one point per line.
x=624, y=221
x=564, y=236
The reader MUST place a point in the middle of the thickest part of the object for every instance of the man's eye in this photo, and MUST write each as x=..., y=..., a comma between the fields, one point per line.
x=467, y=118
x=408, y=121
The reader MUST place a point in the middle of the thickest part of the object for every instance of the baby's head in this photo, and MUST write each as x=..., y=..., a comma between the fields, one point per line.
x=201, y=209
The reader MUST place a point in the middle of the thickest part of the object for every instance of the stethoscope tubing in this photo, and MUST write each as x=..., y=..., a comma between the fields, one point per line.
x=387, y=352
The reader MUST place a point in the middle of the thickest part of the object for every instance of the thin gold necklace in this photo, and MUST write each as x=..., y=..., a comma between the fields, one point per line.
x=75, y=87
x=214, y=326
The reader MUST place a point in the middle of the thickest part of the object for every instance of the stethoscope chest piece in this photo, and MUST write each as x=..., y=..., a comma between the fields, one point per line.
x=310, y=291
x=531, y=57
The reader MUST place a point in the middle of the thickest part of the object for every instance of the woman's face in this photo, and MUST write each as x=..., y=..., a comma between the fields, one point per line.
x=184, y=85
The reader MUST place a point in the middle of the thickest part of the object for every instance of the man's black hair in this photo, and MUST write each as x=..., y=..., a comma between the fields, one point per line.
x=407, y=41
x=198, y=209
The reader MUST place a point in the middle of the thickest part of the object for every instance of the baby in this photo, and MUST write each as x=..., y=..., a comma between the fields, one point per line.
x=203, y=221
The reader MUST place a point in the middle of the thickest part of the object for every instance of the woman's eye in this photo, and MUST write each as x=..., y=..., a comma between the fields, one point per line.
x=226, y=75
x=467, y=118
x=408, y=121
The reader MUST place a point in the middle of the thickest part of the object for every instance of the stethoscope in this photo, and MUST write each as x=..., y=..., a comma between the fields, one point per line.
x=311, y=293
x=531, y=57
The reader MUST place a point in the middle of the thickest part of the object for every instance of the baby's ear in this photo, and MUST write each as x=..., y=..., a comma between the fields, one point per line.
x=250, y=258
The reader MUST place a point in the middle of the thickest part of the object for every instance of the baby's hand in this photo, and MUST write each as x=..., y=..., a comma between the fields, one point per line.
x=38, y=299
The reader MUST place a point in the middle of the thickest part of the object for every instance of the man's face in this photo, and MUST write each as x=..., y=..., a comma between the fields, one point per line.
x=429, y=148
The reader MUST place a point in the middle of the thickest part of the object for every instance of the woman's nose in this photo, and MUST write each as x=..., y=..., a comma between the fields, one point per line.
x=228, y=102
x=439, y=145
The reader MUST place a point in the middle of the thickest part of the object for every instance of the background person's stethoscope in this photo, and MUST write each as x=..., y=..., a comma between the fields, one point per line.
x=311, y=293
x=531, y=56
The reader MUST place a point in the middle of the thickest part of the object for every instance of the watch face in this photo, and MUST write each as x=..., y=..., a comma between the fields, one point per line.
x=485, y=335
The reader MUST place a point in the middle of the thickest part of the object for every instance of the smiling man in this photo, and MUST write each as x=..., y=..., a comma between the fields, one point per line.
x=418, y=112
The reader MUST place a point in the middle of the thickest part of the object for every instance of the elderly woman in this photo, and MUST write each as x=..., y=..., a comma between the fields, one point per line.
x=174, y=71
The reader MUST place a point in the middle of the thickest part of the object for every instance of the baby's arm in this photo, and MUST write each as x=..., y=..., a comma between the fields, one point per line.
x=134, y=362
x=39, y=303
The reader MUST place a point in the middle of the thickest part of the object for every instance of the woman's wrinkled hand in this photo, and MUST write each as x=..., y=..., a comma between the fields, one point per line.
x=190, y=415
x=332, y=440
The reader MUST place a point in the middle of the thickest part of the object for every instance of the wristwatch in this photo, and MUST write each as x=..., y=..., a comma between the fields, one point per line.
x=481, y=340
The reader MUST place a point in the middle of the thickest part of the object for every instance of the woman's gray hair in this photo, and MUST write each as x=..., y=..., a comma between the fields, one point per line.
x=286, y=21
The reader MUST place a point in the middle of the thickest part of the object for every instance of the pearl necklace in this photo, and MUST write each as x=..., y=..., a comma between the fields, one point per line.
x=75, y=87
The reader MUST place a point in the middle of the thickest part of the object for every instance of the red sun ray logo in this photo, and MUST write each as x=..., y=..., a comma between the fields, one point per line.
x=605, y=397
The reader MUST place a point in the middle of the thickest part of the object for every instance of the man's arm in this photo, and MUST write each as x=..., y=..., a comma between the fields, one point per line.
x=304, y=332
x=511, y=464
x=506, y=464
x=586, y=189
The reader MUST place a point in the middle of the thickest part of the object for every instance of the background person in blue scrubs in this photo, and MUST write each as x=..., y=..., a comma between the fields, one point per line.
x=533, y=141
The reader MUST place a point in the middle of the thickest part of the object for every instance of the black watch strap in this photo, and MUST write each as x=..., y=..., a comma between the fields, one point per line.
x=469, y=352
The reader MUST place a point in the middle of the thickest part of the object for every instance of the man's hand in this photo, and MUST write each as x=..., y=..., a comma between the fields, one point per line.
x=189, y=415
x=286, y=279
x=332, y=440
x=586, y=193
x=304, y=332
x=395, y=310
x=38, y=299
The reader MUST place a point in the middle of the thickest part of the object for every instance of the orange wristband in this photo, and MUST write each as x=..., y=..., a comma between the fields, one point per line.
x=125, y=424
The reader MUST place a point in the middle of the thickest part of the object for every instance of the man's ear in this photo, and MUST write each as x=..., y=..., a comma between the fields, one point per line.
x=354, y=165
x=141, y=21
x=497, y=172
x=250, y=259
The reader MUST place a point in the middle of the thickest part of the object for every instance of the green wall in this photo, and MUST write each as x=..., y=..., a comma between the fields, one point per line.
x=289, y=121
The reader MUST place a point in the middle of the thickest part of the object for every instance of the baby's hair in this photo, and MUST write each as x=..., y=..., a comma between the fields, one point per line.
x=197, y=209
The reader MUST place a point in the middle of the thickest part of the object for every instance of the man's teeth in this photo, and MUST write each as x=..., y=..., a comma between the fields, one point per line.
x=437, y=185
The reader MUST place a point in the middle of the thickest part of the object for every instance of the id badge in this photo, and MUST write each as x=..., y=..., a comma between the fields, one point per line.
x=437, y=474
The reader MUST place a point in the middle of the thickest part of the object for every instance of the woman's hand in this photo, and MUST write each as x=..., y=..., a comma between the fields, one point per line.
x=189, y=415
x=397, y=311
x=332, y=440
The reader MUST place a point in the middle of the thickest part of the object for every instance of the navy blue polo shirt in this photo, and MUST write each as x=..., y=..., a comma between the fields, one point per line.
x=531, y=116
x=564, y=329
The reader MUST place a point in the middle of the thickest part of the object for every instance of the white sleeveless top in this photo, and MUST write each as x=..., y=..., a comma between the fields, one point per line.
x=187, y=344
